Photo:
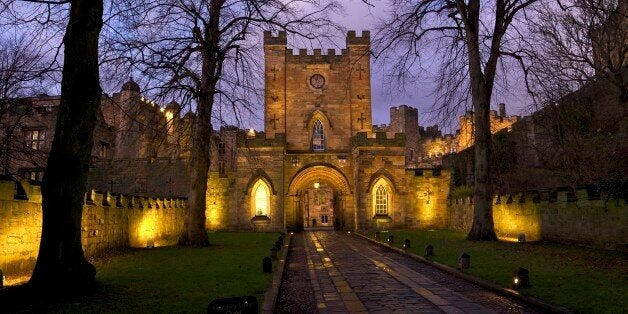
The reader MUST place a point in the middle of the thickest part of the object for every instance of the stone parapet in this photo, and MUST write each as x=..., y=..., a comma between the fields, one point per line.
x=110, y=222
x=577, y=217
x=381, y=140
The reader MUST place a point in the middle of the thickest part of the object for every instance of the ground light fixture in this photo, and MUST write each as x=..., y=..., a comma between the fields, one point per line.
x=406, y=244
x=464, y=262
x=429, y=250
x=520, y=278
x=391, y=239
x=267, y=265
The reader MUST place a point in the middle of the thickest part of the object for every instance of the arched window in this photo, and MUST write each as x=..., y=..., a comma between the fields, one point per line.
x=318, y=137
x=381, y=200
x=261, y=198
x=381, y=197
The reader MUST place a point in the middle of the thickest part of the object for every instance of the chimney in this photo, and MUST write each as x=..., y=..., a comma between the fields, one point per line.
x=502, y=110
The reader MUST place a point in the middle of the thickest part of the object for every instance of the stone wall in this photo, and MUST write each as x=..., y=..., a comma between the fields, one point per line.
x=571, y=218
x=110, y=222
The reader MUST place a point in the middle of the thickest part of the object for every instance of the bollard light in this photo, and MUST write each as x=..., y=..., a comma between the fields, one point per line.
x=391, y=239
x=464, y=262
x=150, y=243
x=267, y=265
x=520, y=278
x=273, y=252
x=521, y=238
x=406, y=244
x=429, y=250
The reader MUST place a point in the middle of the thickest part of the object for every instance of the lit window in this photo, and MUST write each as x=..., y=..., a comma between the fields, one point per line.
x=103, y=150
x=261, y=199
x=318, y=137
x=35, y=138
x=381, y=200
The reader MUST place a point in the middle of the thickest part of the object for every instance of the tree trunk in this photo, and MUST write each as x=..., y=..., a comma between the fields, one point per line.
x=195, y=230
x=61, y=265
x=195, y=233
x=481, y=88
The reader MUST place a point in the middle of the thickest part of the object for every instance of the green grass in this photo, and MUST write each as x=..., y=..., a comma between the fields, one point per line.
x=177, y=279
x=581, y=279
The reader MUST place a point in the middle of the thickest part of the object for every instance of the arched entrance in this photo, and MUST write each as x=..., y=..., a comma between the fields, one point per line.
x=335, y=210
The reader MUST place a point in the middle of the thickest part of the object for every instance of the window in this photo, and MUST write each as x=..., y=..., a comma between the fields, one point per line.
x=324, y=219
x=261, y=198
x=222, y=168
x=32, y=174
x=318, y=137
x=221, y=149
x=381, y=200
x=103, y=149
x=35, y=138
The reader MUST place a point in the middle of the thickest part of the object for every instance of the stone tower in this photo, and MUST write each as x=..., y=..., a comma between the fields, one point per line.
x=405, y=119
x=304, y=90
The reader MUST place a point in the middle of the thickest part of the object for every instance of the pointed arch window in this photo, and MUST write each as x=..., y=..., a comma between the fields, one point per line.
x=261, y=199
x=318, y=137
x=381, y=200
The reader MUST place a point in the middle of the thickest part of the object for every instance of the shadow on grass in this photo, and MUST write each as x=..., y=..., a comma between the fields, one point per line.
x=167, y=279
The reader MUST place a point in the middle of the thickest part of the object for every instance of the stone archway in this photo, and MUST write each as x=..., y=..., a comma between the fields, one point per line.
x=330, y=176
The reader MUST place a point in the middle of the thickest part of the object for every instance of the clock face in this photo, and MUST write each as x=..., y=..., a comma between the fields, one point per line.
x=317, y=81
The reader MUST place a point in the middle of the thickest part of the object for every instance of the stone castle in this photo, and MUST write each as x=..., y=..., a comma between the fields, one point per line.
x=318, y=163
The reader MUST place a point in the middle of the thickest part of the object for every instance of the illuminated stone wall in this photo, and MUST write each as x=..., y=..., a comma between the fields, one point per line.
x=110, y=222
x=428, y=197
x=566, y=218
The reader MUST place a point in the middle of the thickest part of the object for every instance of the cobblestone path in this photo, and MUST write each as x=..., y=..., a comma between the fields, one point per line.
x=350, y=274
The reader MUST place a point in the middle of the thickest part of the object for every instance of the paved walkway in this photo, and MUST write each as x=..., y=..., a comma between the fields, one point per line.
x=349, y=274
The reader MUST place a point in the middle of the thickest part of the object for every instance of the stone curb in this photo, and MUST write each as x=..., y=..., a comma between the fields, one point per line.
x=475, y=280
x=270, y=297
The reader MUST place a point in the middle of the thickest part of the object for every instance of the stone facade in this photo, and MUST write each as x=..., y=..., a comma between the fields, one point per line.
x=318, y=139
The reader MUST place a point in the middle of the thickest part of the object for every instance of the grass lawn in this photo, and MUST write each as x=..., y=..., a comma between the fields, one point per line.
x=175, y=279
x=581, y=279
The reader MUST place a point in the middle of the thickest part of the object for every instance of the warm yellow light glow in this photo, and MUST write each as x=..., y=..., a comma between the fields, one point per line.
x=250, y=133
x=162, y=109
x=516, y=280
x=169, y=115
x=317, y=185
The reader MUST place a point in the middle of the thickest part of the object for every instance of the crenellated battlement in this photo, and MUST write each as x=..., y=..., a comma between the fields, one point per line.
x=361, y=139
x=252, y=139
x=579, y=216
x=315, y=56
x=110, y=222
x=279, y=40
x=354, y=39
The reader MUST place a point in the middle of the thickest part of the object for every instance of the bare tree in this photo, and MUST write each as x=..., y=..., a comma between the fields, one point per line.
x=61, y=264
x=577, y=41
x=470, y=38
x=23, y=71
x=205, y=53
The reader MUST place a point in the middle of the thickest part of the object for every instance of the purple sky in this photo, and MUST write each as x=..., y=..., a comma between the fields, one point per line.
x=359, y=16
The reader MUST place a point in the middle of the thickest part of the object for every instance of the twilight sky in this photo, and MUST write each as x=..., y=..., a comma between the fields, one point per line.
x=359, y=16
